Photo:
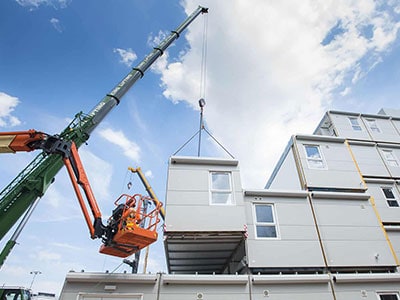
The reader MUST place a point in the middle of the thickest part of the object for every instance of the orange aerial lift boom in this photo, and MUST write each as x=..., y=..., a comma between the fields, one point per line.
x=129, y=229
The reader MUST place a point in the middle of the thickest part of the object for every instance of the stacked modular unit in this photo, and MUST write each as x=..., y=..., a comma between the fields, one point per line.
x=327, y=226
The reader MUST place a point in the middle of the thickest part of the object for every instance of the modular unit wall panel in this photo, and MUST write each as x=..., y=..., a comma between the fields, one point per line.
x=388, y=214
x=338, y=171
x=296, y=244
x=291, y=290
x=380, y=128
x=344, y=127
x=364, y=287
x=286, y=177
x=394, y=236
x=391, y=157
x=360, y=242
x=369, y=159
x=188, y=203
x=396, y=124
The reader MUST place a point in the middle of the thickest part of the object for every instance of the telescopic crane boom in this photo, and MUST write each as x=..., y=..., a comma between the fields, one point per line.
x=33, y=181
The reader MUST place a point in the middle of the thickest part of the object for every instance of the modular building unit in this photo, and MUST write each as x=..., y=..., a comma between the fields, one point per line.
x=358, y=126
x=102, y=286
x=352, y=236
x=205, y=221
x=282, y=235
x=321, y=163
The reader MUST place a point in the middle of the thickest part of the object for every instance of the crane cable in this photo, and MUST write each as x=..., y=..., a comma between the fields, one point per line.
x=203, y=69
x=203, y=80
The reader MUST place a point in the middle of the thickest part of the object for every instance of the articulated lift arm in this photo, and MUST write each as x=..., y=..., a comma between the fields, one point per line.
x=17, y=197
x=119, y=238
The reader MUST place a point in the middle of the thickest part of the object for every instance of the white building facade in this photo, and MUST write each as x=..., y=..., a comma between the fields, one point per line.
x=327, y=225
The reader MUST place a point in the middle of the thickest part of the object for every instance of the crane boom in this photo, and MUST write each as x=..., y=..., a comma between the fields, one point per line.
x=33, y=181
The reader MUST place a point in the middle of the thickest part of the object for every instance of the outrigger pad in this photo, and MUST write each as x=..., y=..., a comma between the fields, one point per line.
x=127, y=242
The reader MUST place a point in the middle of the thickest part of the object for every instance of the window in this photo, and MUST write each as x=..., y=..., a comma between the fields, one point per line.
x=221, y=188
x=388, y=296
x=390, y=158
x=354, y=124
x=314, y=157
x=373, y=126
x=390, y=197
x=265, y=221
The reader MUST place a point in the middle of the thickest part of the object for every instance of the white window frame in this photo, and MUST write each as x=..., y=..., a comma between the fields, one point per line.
x=378, y=294
x=392, y=160
x=356, y=125
x=373, y=125
x=266, y=224
x=214, y=190
x=320, y=159
x=395, y=199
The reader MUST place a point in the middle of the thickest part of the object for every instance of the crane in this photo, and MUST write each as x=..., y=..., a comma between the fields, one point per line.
x=19, y=198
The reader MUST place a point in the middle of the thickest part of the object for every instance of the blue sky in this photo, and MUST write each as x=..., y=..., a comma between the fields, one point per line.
x=273, y=69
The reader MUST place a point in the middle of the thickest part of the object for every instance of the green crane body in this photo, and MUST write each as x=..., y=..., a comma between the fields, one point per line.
x=34, y=180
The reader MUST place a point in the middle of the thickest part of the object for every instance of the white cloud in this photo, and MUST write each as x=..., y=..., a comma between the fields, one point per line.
x=45, y=255
x=130, y=149
x=7, y=106
x=34, y=4
x=127, y=57
x=56, y=24
x=268, y=74
x=149, y=174
x=99, y=173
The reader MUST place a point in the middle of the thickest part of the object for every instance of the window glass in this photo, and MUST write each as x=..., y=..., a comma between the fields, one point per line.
x=373, y=126
x=221, y=188
x=221, y=198
x=354, y=123
x=389, y=296
x=264, y=213
x=390, y=197
x=314, y=157
x=266, y=231
x=220, y=181
x=265, y=221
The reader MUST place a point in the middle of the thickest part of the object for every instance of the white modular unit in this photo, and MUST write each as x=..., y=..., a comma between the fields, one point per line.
x=281, y=231
x=387, y=199
x=368, y=159
x=347, y=125
x=190, y=205
x=326, y=163
x=205, y=221
x=350, y=231
x=390, y=154
x=380, y=128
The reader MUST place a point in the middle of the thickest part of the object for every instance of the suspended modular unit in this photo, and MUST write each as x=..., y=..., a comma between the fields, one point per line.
x=205, y=222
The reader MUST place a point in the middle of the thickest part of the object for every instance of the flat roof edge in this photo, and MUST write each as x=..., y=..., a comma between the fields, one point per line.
x=203, y=160
x=290, y=278
x=276, y=193
x=340, y=195
x=204, y=279
x=387, y=277
x=110, y=277
x=320, y=138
